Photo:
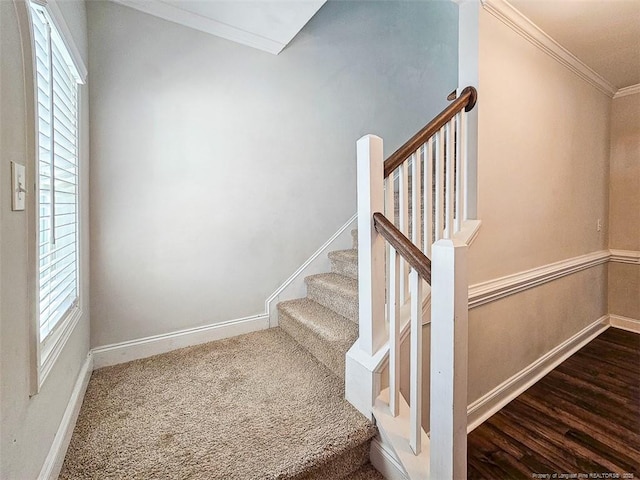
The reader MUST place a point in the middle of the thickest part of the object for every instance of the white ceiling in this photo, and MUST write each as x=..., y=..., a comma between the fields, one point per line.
x=268, y=25
x=603, y=34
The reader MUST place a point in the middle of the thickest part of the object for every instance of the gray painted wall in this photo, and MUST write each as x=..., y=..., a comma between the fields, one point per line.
x=29, y=424
x=218, y=169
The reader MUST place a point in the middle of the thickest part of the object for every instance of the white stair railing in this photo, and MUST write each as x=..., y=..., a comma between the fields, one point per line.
x=422, y=189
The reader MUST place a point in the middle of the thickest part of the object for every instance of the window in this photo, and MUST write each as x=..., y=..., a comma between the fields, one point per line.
x=57, y=179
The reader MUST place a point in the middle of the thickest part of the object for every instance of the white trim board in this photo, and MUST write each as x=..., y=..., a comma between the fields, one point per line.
x=208, y=25
x=146, y=347
x=625, y=256
x=318, y=262
x=53, y=346
x=53, y=463
x=490, y=403
x=625, y=323
x=67, y=37
x=630, y=90
x=519, y=23
x=183, y=16
x=385, y=461
x=498, y=288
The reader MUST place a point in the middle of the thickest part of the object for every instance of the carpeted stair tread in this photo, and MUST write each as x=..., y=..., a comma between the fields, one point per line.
x=345, y=262
x=336, y=292
x=255, y=406
x=365, y=472
x=324, y=333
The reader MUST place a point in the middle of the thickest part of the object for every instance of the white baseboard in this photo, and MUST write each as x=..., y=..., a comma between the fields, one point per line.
x=625, y=323
x=53, y=463
x=146, y=347
x=487, y=405
x=318, y=262
x=385, y=462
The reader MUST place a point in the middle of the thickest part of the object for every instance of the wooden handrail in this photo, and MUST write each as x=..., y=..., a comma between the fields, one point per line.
x=466, y=100
x=412, y=254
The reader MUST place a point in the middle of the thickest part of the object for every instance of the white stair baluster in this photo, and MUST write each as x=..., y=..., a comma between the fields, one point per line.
x=393, y=286
x=458, y=215
x=403, y=205
x=415, y=362
x=439, y=211
x=462, y=136
x=450, y=173
x=389, y=206
x=416, y=199
x=428, y=198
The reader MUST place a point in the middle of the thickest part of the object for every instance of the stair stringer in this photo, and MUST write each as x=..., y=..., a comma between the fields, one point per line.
x=295, y=287
x=400, y=462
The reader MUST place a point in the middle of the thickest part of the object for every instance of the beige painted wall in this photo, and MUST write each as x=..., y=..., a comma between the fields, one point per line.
x=624, y=290
x=507, y=335
x=543, y=166
x=28, y=425
x=624, y=204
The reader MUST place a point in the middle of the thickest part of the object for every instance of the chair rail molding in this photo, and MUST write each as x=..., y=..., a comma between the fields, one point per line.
x=625, y=256
x=498, y=288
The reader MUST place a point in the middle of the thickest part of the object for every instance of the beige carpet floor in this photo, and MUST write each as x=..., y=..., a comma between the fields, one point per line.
x=257, y=406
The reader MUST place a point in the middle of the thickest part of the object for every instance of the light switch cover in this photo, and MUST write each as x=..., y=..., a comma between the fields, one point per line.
x=18, y=186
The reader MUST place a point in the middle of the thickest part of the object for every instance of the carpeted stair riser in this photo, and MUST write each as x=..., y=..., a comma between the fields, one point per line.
x=345, y=262
x=365, y=472
x=325, y=323
x=341, y=466
x=336, y=292
x=354, y=238
x=323, y=333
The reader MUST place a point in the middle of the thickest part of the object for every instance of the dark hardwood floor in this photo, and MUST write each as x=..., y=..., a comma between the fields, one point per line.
x=582, y=420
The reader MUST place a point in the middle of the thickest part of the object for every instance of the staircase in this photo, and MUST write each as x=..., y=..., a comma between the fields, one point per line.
x=286, y=409
x=325, y=323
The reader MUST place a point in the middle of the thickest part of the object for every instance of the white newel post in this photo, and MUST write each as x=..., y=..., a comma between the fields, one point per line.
x=371, y=245
x=449, y=338
x=361, y=377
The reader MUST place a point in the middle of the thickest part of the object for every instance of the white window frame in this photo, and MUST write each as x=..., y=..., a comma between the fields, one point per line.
x=46, y=351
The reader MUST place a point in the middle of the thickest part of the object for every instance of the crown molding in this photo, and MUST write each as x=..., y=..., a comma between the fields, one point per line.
x=513, y=18
x=208, y=25
x=630, y=90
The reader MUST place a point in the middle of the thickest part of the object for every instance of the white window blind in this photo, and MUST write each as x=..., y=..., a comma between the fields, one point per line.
x=57, y=174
